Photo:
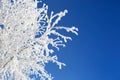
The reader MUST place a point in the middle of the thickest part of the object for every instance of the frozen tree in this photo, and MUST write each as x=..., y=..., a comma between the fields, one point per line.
x=28, y=37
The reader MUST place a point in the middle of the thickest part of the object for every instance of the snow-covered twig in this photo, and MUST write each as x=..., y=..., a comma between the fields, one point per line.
x=26, y=33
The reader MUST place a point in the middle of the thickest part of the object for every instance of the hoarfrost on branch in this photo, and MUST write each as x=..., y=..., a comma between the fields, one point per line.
x=26, y=32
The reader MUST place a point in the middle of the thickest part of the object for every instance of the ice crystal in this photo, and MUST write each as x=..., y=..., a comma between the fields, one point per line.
x=25, y=37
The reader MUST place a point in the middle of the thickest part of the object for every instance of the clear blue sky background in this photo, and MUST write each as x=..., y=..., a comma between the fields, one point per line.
x=95, y=53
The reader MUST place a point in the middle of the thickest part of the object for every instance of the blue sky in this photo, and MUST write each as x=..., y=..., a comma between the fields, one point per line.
x=95, y=53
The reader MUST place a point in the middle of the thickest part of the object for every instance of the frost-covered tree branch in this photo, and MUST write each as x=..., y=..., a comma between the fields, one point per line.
x=26, y=32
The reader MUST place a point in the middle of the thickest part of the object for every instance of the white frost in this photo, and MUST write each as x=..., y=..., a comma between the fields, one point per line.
x=22, y=52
